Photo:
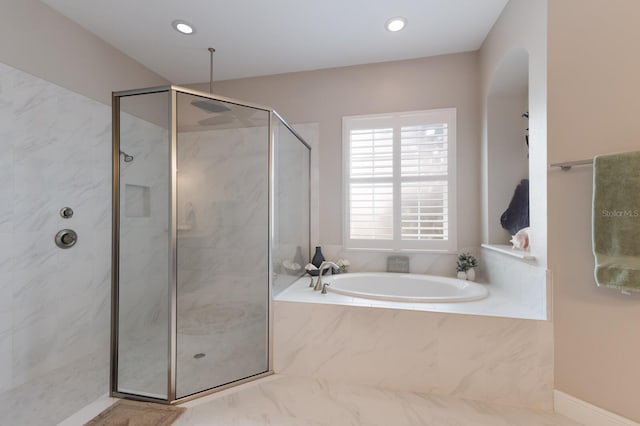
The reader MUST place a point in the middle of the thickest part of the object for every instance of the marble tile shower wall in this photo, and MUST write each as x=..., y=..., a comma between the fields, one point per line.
x=222, y=181
x=144, y=226
x=291, y=209
x=56, y=152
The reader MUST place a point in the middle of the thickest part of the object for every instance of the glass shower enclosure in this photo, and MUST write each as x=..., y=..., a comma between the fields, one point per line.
x=210, y=218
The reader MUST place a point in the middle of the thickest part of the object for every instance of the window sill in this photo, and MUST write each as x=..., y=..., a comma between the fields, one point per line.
x=396, y=251
x=510, y=251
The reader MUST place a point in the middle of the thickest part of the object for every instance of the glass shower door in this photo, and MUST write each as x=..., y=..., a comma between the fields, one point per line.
x=222, y=243
x=143, y=244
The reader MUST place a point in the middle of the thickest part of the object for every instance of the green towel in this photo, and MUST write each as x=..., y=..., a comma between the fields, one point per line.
x=616, y=220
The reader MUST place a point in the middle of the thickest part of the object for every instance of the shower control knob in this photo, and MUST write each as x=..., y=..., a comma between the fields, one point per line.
x=66, y=212
x=66, y=238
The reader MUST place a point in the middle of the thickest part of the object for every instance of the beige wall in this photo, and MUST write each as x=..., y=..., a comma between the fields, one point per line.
x=325, y=96
x=593, y=109
x=40, y=41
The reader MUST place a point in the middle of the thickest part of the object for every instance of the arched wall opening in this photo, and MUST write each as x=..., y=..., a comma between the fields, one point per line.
x=507, y=160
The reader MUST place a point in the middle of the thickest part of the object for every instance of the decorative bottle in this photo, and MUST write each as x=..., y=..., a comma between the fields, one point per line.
x=318, y=258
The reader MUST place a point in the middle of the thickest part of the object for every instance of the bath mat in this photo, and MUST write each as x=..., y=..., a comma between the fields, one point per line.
x=132, y=413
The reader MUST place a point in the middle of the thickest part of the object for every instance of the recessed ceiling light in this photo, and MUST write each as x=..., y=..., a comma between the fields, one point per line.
x=183, y=27
x=396, y=24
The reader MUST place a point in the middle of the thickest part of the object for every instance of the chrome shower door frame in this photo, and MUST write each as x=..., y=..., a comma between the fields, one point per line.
x=172, y=261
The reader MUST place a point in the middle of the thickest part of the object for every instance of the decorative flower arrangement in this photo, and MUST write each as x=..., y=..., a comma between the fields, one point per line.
x=465, y=266
x=344, y=265
x=465, y=262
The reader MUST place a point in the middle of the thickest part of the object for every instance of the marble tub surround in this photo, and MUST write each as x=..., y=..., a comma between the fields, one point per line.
x=498, y=360
x=294, y=401
x=523, y=281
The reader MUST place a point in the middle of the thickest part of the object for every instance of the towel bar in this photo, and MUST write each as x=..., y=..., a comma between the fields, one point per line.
x=567, y=165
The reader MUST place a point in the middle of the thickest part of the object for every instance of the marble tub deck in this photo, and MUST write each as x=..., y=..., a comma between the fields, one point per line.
x=288, y=401
x=499, y=303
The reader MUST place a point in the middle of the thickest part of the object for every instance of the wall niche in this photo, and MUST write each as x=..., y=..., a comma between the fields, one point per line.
x=507, y=150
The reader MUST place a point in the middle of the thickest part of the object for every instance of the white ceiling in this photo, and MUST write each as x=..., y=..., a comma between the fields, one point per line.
x=261, y=37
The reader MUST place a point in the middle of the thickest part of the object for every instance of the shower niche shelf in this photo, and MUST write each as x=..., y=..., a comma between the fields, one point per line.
x=137, y=201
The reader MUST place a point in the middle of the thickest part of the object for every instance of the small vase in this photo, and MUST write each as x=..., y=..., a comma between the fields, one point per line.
x=462, y=275
x=471, y=274
x=318, y=258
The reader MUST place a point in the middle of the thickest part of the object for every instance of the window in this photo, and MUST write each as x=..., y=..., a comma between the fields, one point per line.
x=399, y=180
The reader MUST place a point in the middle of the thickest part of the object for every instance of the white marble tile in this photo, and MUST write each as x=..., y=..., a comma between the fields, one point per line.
x=497, y=360
x=523, y=280
x=478, y=357
x=391, y=349
x=6, y=354
x=6, y=272
x=58, y=155
x=6, y=215
x=50, y=398
x=6, y=189
x=298, y=401
x=33, y=337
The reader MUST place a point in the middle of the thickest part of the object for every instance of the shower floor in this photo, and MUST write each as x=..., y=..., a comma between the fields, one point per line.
x=216, y=344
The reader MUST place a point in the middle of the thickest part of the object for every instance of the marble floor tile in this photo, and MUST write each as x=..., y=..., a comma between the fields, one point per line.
x=286, y=400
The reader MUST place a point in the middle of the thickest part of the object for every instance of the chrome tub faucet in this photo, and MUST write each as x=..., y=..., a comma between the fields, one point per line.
x=318, y=285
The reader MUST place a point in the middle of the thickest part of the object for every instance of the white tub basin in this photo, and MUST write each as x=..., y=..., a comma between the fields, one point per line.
x=406, y=287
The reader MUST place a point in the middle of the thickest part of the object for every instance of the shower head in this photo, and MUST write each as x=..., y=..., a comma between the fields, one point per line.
x=210, y=106
x=127, y=158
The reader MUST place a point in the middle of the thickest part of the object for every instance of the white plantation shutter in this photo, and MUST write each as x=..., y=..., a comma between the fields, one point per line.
x=424, y=154
x=371, y=153
x=371, y=211
x=371, y=189
x=400, y=180
x=424, y=150
x=425, y=211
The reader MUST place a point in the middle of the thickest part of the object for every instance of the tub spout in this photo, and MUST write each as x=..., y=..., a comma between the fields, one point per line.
x=318, y=285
